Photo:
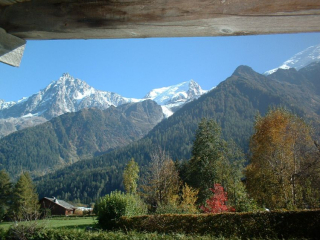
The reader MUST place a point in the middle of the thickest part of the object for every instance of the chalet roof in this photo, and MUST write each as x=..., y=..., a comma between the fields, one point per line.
x=61, y=203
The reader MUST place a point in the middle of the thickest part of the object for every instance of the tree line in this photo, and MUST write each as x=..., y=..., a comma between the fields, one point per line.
x=282, y=170
x=183, y=186
x=18, y=201
x=233, y=105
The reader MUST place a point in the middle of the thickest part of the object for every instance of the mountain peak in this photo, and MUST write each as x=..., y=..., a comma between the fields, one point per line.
x=173, y=97
x=67, y=78
x=64, y=77
x=4, y=104
x=243, y=70
x=300, y=60
x=192, y=83
x=67, y=94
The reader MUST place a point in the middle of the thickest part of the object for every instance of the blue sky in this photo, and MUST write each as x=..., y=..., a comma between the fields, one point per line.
x=132, y=67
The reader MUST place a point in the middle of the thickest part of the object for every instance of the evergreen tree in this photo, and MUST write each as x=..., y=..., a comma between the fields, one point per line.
x=25, y=203
x=5, y=193
x=131, y=176
x=230, y=172
x=208, y=148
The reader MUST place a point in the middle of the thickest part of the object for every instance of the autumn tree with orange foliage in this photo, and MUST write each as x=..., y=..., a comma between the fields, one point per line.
x=284, y=167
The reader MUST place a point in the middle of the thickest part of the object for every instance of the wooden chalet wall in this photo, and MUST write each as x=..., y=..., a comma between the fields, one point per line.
x=56, y=209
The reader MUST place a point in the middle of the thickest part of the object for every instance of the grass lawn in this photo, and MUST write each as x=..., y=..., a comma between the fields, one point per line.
x=5, y=225
x=72, y=222
x=63, y=222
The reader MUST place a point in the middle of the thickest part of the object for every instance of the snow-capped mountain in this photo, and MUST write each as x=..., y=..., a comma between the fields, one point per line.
x=300, y=60
x=173, y=97
x=64, y=95
x=69, y=94
x=4, y=104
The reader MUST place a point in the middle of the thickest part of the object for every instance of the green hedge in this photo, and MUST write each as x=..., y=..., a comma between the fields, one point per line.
x=278, y=224
x=73, y=234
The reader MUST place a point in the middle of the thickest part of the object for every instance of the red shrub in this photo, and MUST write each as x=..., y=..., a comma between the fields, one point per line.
x=217, y=203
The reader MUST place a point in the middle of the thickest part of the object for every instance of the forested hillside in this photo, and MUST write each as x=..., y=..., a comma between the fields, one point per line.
x=234, y=104
x=73, y=136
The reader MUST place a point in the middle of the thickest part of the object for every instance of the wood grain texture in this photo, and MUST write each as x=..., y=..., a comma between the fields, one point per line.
x=9, y=2
x=87, y=19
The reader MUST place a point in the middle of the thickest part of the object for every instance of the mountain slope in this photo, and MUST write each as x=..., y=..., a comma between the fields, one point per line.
x=73, y=136
x=234, y=104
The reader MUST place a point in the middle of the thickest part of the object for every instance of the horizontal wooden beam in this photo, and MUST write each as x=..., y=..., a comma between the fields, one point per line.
x=10, y=2
x=90, y=19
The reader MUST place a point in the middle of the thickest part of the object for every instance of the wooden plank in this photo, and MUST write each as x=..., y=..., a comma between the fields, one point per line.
x=9, y=2
x=11, y=49
x=88, y=19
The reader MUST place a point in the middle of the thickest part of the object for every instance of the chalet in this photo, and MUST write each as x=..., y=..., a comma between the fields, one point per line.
x=57, y=207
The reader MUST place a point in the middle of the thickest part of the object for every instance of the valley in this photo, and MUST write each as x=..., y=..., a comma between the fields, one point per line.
x=241, y=159
x=233, y=104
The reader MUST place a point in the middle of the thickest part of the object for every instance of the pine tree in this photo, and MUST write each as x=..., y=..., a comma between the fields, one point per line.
x=208, y=148
x=25, y=203
x=230, y=172
x=5, y=193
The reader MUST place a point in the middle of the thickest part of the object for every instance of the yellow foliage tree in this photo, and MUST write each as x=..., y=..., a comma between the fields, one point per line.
x=161, y=186
x=131, y=176
x=189, y=198
x=282, y=157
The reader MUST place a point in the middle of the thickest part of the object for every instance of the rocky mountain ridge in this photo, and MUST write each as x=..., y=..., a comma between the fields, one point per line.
x=69, y=94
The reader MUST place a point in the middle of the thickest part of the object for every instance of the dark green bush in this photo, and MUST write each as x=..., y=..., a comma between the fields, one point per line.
x=74, y=234
x=3, y=234
x=279, y=224
x=24, y=230
x=110, y=208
